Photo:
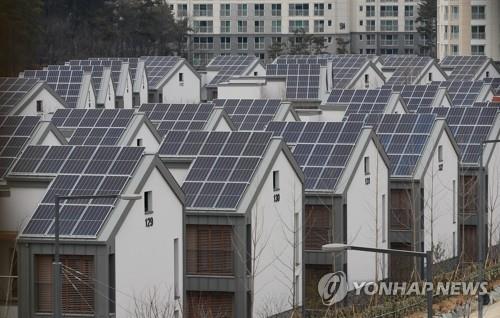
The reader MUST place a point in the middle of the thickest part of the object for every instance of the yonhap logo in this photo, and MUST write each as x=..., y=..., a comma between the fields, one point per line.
x=332, y=288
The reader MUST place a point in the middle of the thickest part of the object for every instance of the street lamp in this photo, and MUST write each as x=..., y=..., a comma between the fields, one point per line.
x=56, y=265
x=481, y=223
x=336, y=248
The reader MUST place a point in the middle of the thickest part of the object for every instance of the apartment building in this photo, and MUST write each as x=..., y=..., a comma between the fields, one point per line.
x=358, y=26
x=468, y=27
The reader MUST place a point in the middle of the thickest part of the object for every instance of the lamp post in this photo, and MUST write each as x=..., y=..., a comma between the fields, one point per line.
x=335, y=248
x=56, y=265
x=481, y=224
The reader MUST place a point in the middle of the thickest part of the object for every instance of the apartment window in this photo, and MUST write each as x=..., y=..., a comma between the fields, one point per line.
x=276, y=9
x=259, y=26
x=370, y=11
x=409, y=12
x=329, y=23
x=77, y=286
x=202, y=58
x=367, y=159
x=446, y=13
x=454, y=50
x=384, y=219
x=259, y=43
x=39, y=106
x=202, y=10
x=319, y=26
x=297, y=25
x=455, y=30
x=455, y=12
x=409, y=25
x=225, y=43
x=276, y=26
x=242, y=26
x=298, y=9
x=370, y=51
x=276, y=180
x=478, y=12
x=139, y=142
x=478, y=32
x=370, y=39
x=389, y=25
x=477, y=49
x=360, y=8
x=181, y=77
x=409, y=51
x=360, y=22
x=225, y=10
x=389, y=40
x=242, y=10
x=329, y=6
x=209, y=250
x=388, y=11
x=242, y=43
x=259, y=9
x=276, y=39
x=409, y=39
x=225, y=26
x=148, y=203
x=319, y=9
x=203, y=43
x=203, y=26
x=182, y=10
x=370, y=25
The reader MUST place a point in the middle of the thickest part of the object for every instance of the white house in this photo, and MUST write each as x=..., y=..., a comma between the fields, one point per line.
x=28, y=97
x=104, y=242
x=244, y=214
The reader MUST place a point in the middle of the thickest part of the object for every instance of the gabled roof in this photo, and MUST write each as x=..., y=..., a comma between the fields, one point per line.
x=465, y=68
x=418, y=96
x=136, y=68
x=223, y=165
x=466, y=93
x=364, y=101
x=228, y=66
x=302, y=80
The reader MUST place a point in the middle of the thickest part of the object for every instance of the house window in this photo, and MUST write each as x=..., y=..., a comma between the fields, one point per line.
x=454, y=210
x=39, y=106
x=77, y=287
x=181, y=77
x=176, y=269
x=454, y=243
x=430, y=77
x=487, y=74
x=139, y=142
x=367, y=165
x=276, y=180
x=440, y=154
x=367, y=79
x=384, y=219
x=148, y=201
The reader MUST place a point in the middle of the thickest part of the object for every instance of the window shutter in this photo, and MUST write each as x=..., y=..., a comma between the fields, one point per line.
x=317, y=226
x=43, y=282
x=213, y=304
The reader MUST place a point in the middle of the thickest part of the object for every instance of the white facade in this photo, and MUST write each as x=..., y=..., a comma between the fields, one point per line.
x=468, y=27
x=49, y=100
x=149, y=260
x=182, y=89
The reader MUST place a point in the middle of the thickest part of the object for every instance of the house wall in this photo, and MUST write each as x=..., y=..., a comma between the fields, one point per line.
x=332, y=115
x=90, y=98
x=441, y=200
x=399, y=109
x=374, y=80
x=494, y=197
x=368, y=202
x=250, y=91
x=187, y=91
x=143, y=93
x=109, y=103
x=49, y=104
x=437, y=76
x=144, y=256
x=273, y=236
x=222, y=125
x=127, y=94
x=148, y=139
x=493, y=72
x=274, y=89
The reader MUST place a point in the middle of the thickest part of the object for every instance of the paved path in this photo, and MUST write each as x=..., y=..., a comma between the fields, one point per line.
x=491, y=311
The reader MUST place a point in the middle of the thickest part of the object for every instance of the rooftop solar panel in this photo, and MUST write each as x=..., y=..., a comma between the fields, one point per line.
x=345, y=68
x=302, y=80
x=12, y=91
x=464, y=68
x=416, y=96
x=98, y=171
x=463, y=93
x=250, y=114
x=158, y=67
x=365, y=101
x=15, y=132
x=229, y=66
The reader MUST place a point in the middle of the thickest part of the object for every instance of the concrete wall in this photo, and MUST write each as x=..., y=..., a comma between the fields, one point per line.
x=374, y=80
x=145, y=255
x=49, y=104
x=187, y=91
x=148, y=139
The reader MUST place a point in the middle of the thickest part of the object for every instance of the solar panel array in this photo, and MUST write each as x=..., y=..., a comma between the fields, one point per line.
x=158, y=67
x=114, y=65
x=416, y=96
x=463, y=93
x=364, y=101
x=167, y=117
x=229, y=66
x=96, y=72
x=94, y=126
x=78, y=171
x=302, y=80
x=395, y=61
x=15, y=132
x=224, y=163
x=66, y=83
x=250, y=114
x=132, y=63
x=464, y=68
x=303, y=59
x=495, y=84
x=12, y=91
x=404, y=137
x=322, y=149
x=346, y=68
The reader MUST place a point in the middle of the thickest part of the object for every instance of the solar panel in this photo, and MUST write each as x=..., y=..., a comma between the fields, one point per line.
x=114, y=65
x=366, y=101
x=66, y=83
x=12, y=91
x=79, y=171
x=15, y=132
x=303, y=59
x=158, y=67
x=228, y=66
x=345, y=69
x=416, y=96
x=132, y=63
x=96, y=73
x=250, y=114
x=224, y=163
x=463, y=93
x=495, y=84
x=168, y=117
x=320, y=148
x=464, y=68
x=302, y=80
x=403, y=135
x=395, y=61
